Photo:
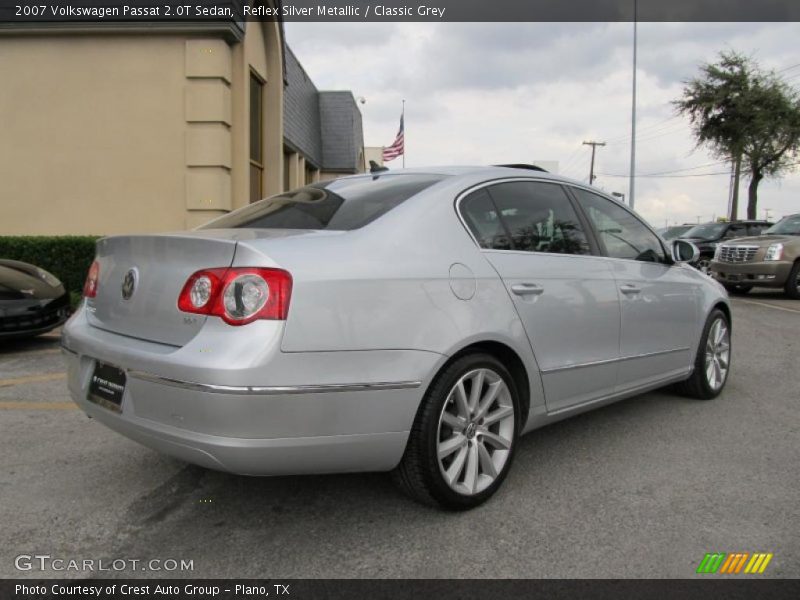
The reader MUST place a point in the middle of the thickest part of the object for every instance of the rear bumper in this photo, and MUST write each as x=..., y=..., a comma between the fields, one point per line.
x=768, y=274
x=277, y=427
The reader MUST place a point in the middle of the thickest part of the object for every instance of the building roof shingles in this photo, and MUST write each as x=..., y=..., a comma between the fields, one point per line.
x=324, y=126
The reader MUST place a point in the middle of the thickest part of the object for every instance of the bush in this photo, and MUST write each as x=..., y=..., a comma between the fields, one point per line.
x=68, y=257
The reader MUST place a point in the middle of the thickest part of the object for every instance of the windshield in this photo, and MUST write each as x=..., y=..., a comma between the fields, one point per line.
x=786, y=226
x=670, y=233
x=708, y=231
x=341, y=204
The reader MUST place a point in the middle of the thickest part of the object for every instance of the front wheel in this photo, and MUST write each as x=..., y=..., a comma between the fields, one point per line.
x=464, y=435
x=703, y=264
x=713, y=361
x=792, y=286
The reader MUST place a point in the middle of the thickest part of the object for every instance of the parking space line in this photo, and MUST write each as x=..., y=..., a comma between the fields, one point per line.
x=794, y=310
x=33, y=405
x=29, y=352
x=32, y=379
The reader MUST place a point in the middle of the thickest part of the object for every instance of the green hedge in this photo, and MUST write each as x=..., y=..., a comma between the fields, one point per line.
x=68, y=257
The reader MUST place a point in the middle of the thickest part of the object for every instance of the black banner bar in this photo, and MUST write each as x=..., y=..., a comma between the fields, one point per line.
x=734, y=588
x=32, y=12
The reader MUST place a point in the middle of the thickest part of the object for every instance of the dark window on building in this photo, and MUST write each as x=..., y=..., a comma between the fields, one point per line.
x=341, y=204
x=256, y=138
x=287, y=159
x=621, y=233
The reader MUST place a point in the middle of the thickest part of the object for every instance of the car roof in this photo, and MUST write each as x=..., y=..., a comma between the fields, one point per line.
x=485, y=171
x=759, y=221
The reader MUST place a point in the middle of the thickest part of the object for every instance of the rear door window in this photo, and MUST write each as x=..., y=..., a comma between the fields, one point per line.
x=530, y=216
x=341, y=204
x=481, y=218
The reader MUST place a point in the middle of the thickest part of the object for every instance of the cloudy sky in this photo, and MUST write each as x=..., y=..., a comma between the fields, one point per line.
x=484, y=93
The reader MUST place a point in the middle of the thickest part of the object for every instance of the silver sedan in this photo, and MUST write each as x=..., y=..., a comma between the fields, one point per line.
x=415, y=321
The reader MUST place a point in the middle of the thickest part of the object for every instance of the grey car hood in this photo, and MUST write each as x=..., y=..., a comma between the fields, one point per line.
x=761, y=240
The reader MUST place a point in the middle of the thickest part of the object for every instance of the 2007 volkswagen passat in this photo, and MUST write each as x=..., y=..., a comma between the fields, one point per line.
x=417, y=321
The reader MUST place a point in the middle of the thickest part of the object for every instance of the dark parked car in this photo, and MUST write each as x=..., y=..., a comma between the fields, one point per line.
x=707, y=236
x=673, y=232
x=32, y=301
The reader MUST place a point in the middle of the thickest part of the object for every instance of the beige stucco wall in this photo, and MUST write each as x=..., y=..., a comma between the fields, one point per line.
x=92, y=134
x=132, y=133
x=140, y=132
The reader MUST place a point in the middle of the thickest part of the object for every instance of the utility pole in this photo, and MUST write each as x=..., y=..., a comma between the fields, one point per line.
x=594, y=146
x=733, y=194
x=632, y=188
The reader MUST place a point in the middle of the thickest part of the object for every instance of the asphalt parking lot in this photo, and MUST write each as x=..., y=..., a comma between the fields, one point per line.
x=643, y=488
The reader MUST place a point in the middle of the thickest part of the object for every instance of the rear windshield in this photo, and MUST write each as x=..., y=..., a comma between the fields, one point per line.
x=786, y=226
x=341, y=204
x=707, y=231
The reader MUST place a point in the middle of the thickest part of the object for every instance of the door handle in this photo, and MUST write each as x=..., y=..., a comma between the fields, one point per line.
x=630, y=289
x=527, y=289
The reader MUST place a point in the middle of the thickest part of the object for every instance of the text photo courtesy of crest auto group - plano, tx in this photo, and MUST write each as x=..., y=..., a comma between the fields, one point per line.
x=452, y=300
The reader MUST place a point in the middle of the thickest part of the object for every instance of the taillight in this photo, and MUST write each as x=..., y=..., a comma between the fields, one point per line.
x=90, y=285
x=238, y=295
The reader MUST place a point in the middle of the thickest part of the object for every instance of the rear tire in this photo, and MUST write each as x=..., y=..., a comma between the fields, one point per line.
x=712, y=363
x=738, y=289
x=464, y=436
x=792, y=286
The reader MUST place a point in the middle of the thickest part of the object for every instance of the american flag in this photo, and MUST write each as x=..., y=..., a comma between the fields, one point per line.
x=398, y=146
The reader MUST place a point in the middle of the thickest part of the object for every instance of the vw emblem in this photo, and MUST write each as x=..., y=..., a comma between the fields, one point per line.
x=129, y=283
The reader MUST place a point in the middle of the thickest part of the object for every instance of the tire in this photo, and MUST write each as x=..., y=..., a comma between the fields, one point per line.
x=738, y=289
x=475, y=455
x=700, y=384
x=792, y=286
x=703, y=263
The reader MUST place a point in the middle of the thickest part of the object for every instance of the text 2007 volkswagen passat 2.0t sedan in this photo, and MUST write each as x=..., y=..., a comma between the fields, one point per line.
x=417, y=321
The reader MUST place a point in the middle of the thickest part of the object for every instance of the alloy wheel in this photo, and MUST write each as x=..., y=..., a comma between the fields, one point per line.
x=476, y=431
x=718, y=350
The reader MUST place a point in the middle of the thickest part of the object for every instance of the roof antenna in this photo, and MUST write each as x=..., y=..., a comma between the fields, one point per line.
x=376, y=168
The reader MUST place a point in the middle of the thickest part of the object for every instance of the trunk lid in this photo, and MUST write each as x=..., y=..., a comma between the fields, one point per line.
x=159, y=266
x=162, y=263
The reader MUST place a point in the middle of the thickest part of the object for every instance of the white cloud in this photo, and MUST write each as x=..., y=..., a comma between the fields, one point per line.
x=483, y=93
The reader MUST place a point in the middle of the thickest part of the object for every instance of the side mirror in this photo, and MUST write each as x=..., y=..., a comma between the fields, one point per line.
x=684, y=251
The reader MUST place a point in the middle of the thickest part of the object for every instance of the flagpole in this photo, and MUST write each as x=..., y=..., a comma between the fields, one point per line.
x=404, y=132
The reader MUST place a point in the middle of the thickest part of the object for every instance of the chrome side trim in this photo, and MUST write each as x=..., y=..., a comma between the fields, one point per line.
x=612, y=360
x=624, y=393
x=273, y=390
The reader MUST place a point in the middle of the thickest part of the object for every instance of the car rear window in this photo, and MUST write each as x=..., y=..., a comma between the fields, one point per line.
x=341, y=204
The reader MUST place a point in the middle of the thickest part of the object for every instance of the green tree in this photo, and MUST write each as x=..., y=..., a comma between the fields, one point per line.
x=747, y=115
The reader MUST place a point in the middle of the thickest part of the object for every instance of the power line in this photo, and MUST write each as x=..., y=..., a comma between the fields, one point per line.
x=655, y=135
x=568, y=164
x=789, y=68
x=646, y=128
x=670, y=172
x=668, y=176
